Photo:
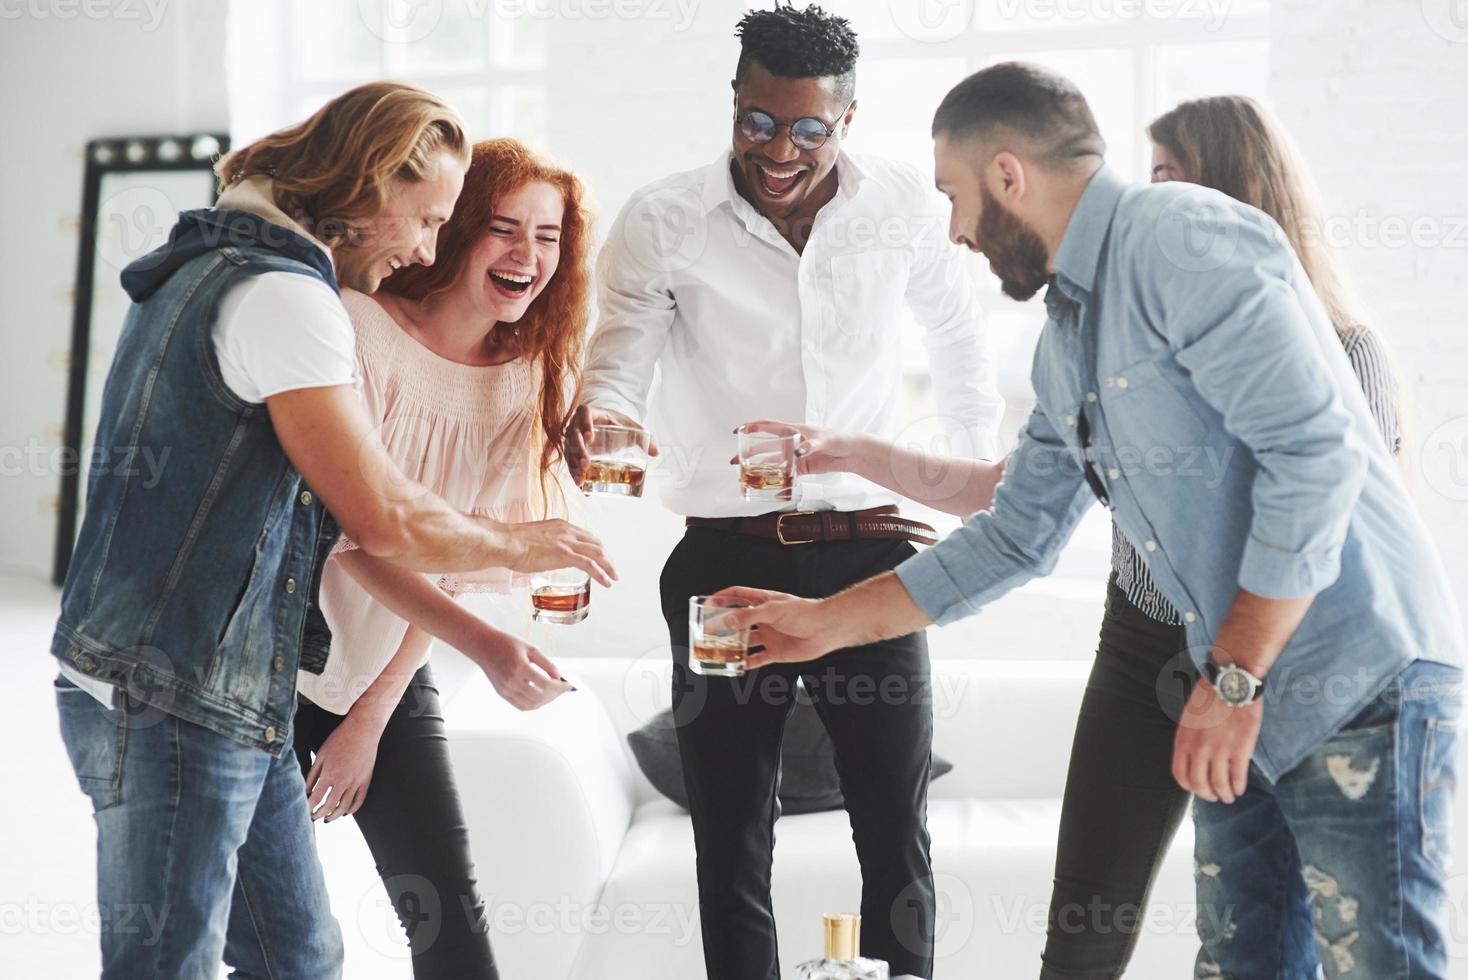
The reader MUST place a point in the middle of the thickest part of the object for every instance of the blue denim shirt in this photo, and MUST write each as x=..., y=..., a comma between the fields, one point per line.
x=1235, y=449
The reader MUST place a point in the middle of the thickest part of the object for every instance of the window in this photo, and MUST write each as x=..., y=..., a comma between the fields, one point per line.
x=287, y=59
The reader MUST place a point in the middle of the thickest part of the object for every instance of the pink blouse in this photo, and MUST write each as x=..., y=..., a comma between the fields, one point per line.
x=468, y=434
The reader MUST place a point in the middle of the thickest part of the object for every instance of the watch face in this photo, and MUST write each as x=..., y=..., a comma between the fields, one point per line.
x=1234, y=686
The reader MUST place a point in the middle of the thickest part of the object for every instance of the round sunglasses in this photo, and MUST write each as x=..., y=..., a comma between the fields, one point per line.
x=807, y=132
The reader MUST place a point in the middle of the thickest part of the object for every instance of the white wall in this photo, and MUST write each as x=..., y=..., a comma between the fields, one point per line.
x=1376, y=95
x=70, y=72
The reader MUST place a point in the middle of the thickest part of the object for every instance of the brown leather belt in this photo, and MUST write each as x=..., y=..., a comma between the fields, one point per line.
x=807, y=527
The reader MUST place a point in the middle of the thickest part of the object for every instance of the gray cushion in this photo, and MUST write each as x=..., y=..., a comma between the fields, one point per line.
x=808, y=780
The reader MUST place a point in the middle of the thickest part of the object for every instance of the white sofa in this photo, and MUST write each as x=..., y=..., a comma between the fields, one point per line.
x=589, y=872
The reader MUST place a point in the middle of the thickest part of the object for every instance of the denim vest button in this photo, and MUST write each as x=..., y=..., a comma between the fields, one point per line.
x=1150, y=545
x=270, y=734
x=305, y=498
x=1189, y=616
x=277, y=663
x=290, y=585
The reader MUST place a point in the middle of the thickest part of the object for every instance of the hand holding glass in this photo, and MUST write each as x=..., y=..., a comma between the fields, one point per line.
x=616, y=461
x=716, y=649
x=767, y=463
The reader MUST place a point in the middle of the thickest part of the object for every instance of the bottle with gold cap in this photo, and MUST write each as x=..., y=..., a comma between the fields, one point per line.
x=841, y=962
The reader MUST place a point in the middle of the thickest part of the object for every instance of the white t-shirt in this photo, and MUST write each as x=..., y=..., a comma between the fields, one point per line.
x=276, y=332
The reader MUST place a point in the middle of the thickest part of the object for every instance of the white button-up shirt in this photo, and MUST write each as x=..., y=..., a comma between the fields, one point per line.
x=696, y=285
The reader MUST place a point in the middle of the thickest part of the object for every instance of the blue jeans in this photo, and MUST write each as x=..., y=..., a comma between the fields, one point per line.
x=1339, y=869
x=204, y=848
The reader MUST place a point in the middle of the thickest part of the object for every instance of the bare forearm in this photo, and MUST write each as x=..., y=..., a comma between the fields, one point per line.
x=385, y=693
x=1256, y=630
x=951, y=484
x=429, y=535
x=876, y=609
x=414, y=598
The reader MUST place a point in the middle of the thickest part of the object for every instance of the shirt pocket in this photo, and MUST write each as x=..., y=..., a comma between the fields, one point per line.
x=868, y=290
x=1154, y=426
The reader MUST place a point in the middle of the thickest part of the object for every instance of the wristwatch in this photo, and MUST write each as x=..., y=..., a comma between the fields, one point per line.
x=1235, y=685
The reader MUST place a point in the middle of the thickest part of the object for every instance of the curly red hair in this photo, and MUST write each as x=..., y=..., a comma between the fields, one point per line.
x=553, y=329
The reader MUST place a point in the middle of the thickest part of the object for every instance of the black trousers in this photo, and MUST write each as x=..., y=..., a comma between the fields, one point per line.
x=1122, y=806
x=876, y=702
x=414, y=825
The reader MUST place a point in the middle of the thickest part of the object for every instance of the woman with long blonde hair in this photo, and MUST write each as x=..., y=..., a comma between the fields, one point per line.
x=466, y=365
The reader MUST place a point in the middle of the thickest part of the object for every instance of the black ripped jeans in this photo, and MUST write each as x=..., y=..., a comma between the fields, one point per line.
x=1122, y=806
x=414, y=825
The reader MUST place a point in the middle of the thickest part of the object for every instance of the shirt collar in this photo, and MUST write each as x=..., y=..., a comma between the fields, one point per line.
x=256, y=195
x=718, y=180
x=1080, y=246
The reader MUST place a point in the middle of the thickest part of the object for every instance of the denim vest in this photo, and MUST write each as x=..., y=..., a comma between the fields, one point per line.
x=197, y=592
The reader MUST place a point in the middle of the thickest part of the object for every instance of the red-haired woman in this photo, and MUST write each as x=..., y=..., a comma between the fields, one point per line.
x=467, y=365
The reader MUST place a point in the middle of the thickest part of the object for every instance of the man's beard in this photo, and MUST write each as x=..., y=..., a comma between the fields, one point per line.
x=1017, y=253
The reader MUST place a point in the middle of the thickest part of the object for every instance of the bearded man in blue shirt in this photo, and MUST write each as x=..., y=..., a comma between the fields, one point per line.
x=1321, y=740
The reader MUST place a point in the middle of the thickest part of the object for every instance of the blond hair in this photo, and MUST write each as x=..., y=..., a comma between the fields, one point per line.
x=338, y=166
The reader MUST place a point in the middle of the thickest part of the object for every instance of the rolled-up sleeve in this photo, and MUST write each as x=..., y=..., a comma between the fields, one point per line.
x=1036, y=509
x=1255, y=341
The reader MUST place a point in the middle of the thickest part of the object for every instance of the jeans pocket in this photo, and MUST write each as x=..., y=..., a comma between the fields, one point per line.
x=94, y=737
x=1436, y=790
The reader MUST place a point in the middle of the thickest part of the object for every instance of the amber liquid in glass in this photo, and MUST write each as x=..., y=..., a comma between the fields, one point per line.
x=561, y=603
x=613, y=476
x=767, y=481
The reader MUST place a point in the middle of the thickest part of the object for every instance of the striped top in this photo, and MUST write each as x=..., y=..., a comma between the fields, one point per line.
x=1372, y=365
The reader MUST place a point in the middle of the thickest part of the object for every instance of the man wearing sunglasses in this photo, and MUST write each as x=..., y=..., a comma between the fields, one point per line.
x=774, y=283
